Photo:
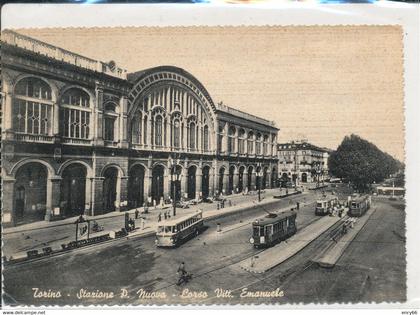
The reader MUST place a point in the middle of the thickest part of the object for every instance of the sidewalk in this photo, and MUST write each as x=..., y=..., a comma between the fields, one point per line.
x=332, y=254
x=36, y=236
x=274, y=256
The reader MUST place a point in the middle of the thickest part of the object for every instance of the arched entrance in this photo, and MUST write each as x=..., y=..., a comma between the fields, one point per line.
x=304, y=178
x=221, y=178
x=191, y=182
x=110, y=189
x=73, y=190
x=250, y=170
x=30, y=193
x=264, y=178
x=231, y=174
x=136, y=187
x=205, y=182
x=284, y=179
x=274, y=178
x=241, y=179
x=158, y=174
x=176, y=183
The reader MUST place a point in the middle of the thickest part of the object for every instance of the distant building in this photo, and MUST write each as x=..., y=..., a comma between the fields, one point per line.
x=81, y=136
x=302, y=162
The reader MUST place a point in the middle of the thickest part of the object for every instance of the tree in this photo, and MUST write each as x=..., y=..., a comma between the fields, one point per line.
x=361, y=162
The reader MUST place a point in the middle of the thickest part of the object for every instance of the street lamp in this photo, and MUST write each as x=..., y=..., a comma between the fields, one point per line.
x=175, y=179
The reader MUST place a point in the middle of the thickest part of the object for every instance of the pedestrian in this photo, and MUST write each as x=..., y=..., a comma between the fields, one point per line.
x=169, y=214
x=136, y=213
x=297, y=205
x=142, y=223
x=160, y=217
x=165, y=216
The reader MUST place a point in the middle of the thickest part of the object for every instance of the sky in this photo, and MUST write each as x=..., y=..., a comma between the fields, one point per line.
x=318, y=83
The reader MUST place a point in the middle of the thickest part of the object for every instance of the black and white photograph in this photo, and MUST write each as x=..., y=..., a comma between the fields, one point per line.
x=203, y=165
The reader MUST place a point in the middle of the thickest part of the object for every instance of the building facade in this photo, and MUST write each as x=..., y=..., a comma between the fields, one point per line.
x=302, y=162
x=81, y=136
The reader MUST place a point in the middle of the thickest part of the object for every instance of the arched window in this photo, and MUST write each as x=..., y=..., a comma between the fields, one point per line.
x=177, y=133
x=136, y=128
x=258, y=144
x=158, y=130
x=265, y=145
x=250, y=147
x=241, y=141
x=206, y=138
x=32, y=107
x=75, y=114
x=192, y=136
x=110, y=118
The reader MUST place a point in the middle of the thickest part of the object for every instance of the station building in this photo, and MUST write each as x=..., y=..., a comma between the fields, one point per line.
x=81, y=136
x=302, y=162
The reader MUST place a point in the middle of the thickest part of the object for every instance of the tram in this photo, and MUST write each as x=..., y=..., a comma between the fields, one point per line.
x=172, y=232
x=273, y=228
x=359, y=205
x=326, y=206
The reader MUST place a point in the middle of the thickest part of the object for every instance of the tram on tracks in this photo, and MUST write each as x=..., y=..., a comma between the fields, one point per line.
x=172, y=232
x=326, y=206
x=273, y=228
x=359, y=205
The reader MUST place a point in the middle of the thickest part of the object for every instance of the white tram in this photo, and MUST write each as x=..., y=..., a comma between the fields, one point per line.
x=326, y=206
x=172, y=232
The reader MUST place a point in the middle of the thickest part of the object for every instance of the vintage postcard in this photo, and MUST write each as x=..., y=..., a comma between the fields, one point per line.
x=203, y=165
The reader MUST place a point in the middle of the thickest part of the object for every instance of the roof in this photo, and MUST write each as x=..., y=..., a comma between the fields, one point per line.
x=301, y=146
x=173, y=221
x=238, y=113
x=135, y=77
x=327, y=199
x=41, y=48
x=270, y=220
x=359, y=198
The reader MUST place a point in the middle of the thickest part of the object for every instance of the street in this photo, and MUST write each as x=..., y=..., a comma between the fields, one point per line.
x=134, y=271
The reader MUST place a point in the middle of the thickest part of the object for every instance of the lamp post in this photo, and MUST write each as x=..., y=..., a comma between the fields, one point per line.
x=175, y=178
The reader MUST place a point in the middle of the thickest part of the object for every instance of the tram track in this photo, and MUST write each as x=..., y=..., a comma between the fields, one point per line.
x=230, y=261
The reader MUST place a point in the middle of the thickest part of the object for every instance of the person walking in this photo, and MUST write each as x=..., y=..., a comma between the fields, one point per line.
x=160, y=217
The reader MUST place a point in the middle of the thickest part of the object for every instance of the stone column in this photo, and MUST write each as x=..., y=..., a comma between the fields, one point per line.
x=225, y=139
x=8, y=215
x=198, y=182
x=183, y=179
x=184, y=135
x=98, y=200
x=199, y=130
x=167, y=142
x=123, y=192
x=7, y=110
x=235, y=180
x=123, y=122
x=166, y=185
x=211, y=182
x=148, y=185
x=98, y=122
x=149, y=140
x=226, y=183
x=254, y=180
x=245, y=180
x=53, y=197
